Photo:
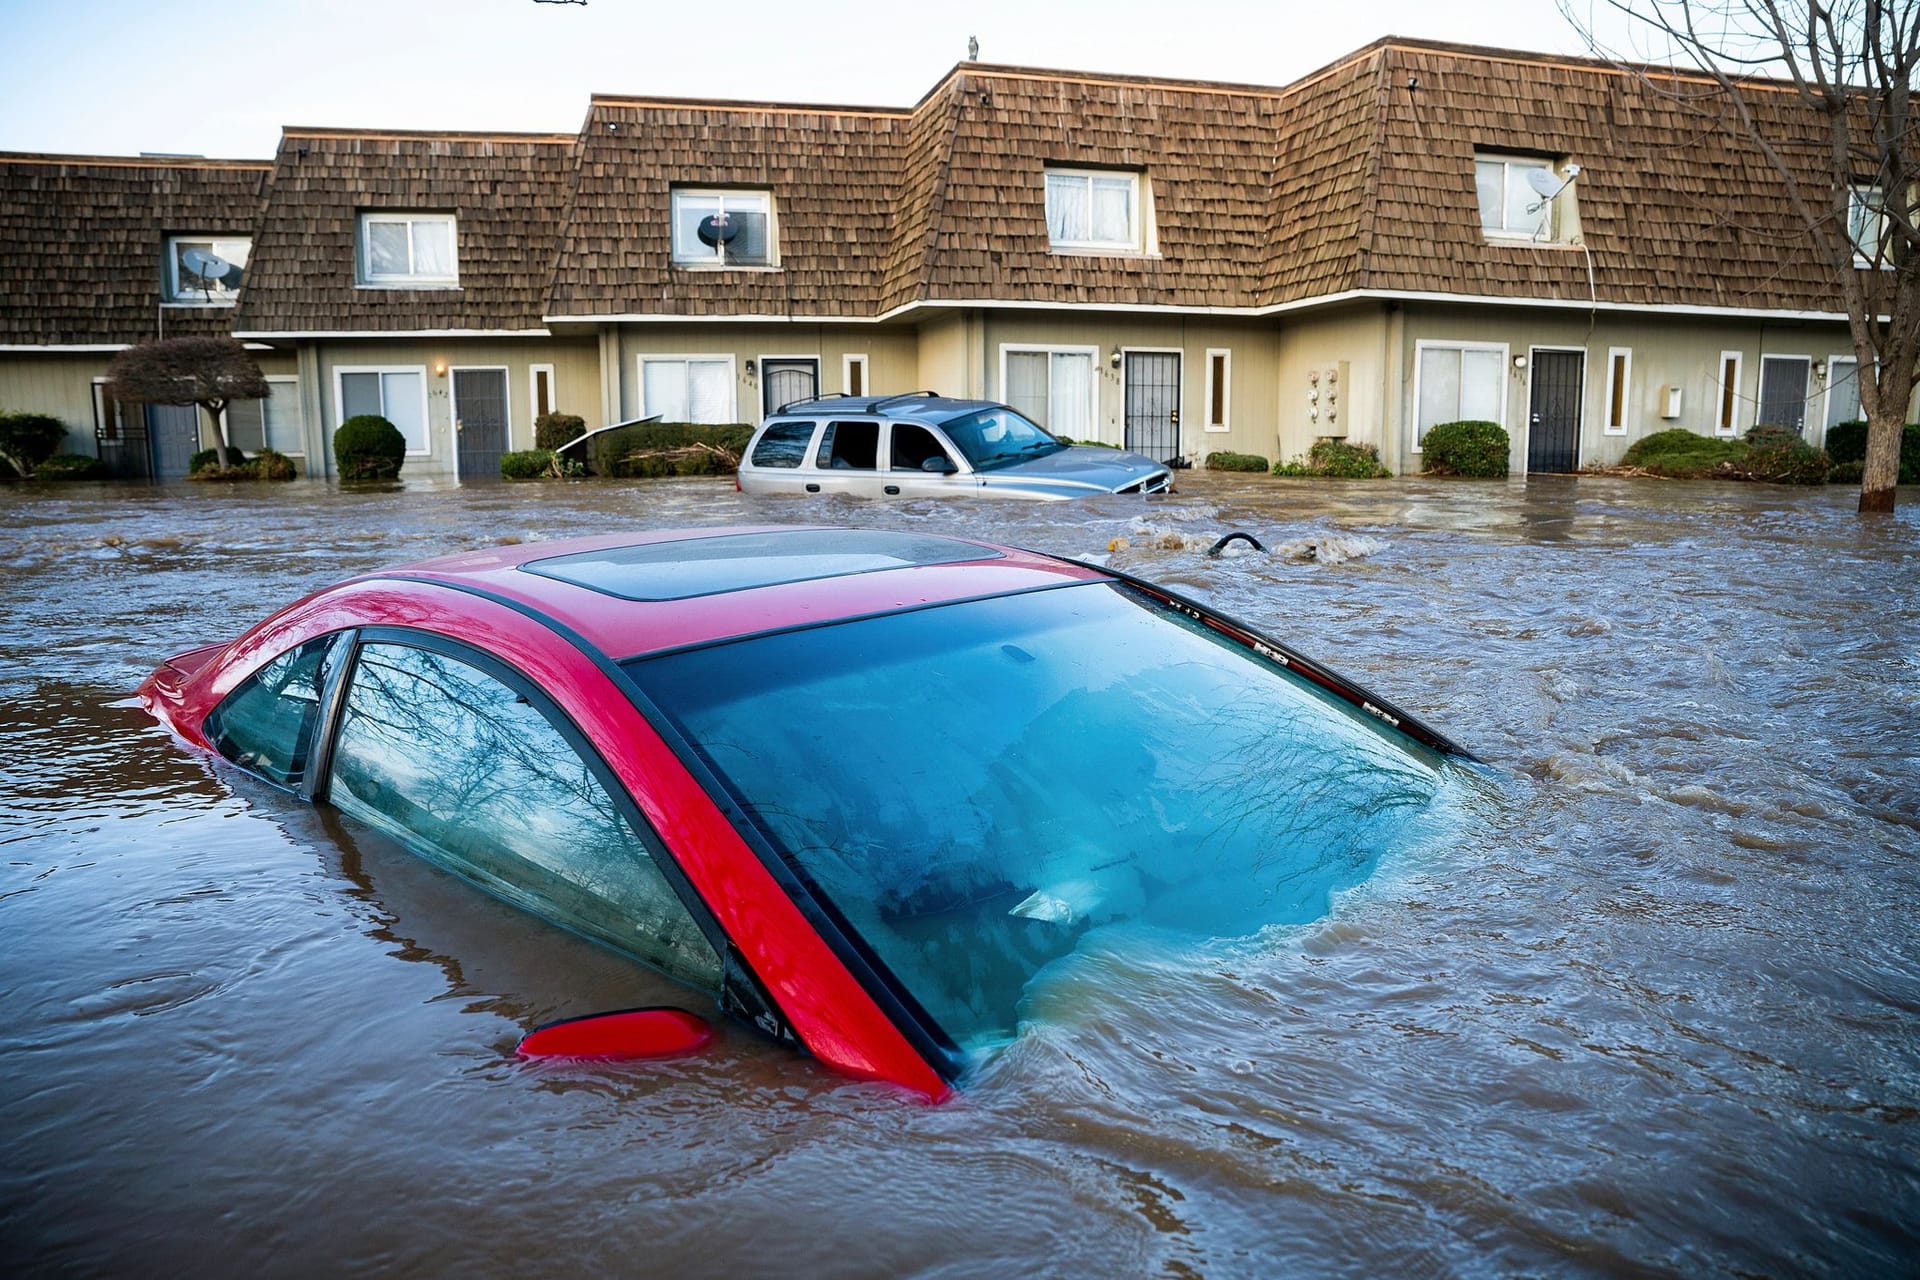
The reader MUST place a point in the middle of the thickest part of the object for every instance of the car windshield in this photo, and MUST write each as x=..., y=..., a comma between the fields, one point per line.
x=975, y=789
x=999, y=437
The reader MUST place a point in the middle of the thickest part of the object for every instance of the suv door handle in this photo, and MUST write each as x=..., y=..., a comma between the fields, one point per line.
x=812, y=487
x=893, y=489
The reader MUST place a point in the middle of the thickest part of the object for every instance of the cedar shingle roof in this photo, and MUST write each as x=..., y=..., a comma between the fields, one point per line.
x=508, y=193
x=83, y=242
x=1344, y=180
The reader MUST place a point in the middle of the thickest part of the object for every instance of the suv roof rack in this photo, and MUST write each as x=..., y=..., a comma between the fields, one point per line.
x=884, y=401
x=791, y=405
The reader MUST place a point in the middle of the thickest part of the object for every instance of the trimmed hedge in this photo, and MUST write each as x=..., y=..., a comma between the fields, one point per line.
x=1336, y=460
x=1680, y=454
x=1775, y=455
x=368, y=447
x=70, y=466
x=1226, y=460
x=653, y=449
x=1779, y=455
x=1478, y=450
x=209, y=460
x=526, y=464
x=551, y=430
x=29, y=439
x=1847, y=444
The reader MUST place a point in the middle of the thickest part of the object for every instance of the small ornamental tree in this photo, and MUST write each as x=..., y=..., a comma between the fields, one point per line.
x=208, y=372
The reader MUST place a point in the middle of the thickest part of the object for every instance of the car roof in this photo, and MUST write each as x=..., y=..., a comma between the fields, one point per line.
x=923, y=406
x=634, y=594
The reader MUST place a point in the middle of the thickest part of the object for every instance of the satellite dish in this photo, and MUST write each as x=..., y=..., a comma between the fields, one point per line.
x=717, y=229
x=1546, y=182
x=208, y=266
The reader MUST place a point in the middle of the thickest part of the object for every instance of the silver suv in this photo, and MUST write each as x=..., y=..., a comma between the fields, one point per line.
x=923, y=445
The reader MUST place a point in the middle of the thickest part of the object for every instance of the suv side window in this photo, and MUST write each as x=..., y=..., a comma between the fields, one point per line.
x=849, y=446
x=784, y=444
x=266, y=724
x=913, y=446
x=470, y=773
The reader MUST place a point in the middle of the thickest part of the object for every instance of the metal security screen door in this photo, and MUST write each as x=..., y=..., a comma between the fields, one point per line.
x=1783, y=392
x=1553, y=429
x=785, y=381
x=1153, y=404
x=480, y=421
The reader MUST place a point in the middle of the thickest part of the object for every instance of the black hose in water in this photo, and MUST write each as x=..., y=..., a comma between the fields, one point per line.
x=1235, y=536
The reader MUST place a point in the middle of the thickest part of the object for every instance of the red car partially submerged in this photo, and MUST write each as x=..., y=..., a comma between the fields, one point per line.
x=860, y=787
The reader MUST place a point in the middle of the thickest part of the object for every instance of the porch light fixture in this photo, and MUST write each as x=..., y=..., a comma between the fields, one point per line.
x=753, y=370
x=1114, y=359
x=439, y=368
x=1519, y=362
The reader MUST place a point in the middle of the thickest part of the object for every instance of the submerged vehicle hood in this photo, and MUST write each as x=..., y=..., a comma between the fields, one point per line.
x=1078, y=467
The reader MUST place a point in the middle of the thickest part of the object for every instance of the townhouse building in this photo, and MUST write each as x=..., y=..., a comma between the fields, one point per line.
x=1414, y=234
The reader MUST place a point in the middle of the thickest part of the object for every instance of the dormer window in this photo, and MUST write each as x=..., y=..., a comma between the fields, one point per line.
x=1095, y=211
x=1524, y=198
x=205, y=270
x=723, y=229
x=408, y=250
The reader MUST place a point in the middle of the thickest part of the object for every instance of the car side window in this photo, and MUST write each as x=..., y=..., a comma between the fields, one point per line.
x=849, y=446
x=266, y=724
x=461, y=767
x=913, y=447
x=784, y=444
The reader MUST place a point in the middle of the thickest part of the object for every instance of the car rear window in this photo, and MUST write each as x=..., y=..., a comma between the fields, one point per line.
x=976, y=790
x=849, y=446
x=783, y=444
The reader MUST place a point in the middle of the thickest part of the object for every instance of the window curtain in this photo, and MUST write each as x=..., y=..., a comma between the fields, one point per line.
x=404, y=407
x=1026, y=388
x=1843, y=391
x=433, y=248
x=1113, y=210
x=1070, y=393
x=1068, y=217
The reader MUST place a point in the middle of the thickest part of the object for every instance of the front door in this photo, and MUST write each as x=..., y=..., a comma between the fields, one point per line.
x=787, y=382
x=1783, y=392
x=1153, y=404
x=173, y=437
x=480, y=421
x=1553, y=423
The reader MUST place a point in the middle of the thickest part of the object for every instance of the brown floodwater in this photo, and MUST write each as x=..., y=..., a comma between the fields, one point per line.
x=1652, y=1009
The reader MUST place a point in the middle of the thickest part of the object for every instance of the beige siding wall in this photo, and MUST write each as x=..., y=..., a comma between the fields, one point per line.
x=1332, y=375
x=60, y=384
x=1666, y=351
x=892, y=357
x=576, y=371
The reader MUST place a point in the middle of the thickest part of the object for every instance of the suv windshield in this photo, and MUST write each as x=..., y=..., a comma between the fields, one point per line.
x=998, y=437
x=974, y=789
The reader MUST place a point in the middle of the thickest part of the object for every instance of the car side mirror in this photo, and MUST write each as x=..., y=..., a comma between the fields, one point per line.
x=940, y=466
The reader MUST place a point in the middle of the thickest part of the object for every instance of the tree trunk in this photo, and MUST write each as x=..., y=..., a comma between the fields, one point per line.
x=1881, y=471
x=220, y=430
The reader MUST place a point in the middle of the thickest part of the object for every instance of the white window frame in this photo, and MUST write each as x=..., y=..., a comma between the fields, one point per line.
x=1873, y=196
x=340, y=399
x=1557, y=220
x=847, y=363
x=1142, y=240
x=368, y=279
x=667, y=357
x=506, y=400
x=1093, y=379
x=175, y=298
x=1422, y=344
x=1226, y=392
x=718, y=262
x=533, y=393
x=1720, y=398
x=293, y=380
x=1625, y=390
x=1826, y=394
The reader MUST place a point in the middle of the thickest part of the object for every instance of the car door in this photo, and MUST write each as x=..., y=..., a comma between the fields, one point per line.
x=910, y=446
x=781, y=459
x=847, y=460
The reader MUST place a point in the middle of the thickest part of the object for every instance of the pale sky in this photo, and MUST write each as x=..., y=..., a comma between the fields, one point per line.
x=219, y=78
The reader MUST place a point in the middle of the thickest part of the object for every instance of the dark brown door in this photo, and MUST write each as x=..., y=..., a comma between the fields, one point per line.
x=1553, y=430
x=480, y=421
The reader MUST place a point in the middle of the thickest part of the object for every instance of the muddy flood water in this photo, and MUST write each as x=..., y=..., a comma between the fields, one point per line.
x=1652, y=1009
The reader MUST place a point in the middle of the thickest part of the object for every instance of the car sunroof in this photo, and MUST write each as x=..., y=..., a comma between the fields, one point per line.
x=692, y=567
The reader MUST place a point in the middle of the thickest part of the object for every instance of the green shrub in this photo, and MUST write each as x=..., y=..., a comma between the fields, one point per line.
x=70, y=466
x=526, y=464
x=1336, y=460
x=368, y=447
x=551, y=430
x=1092, y=444
x=668, y=449
x=29, y=439
x=271, y=464
x=1225, y=460
x=209, y=460
x=1847, y=473
x=1475, y=449
x=1680, y=454
x=1847, y=442
x=1778, y=455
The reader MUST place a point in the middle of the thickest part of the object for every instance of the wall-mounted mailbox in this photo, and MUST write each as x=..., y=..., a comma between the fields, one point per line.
x=1669, y=402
